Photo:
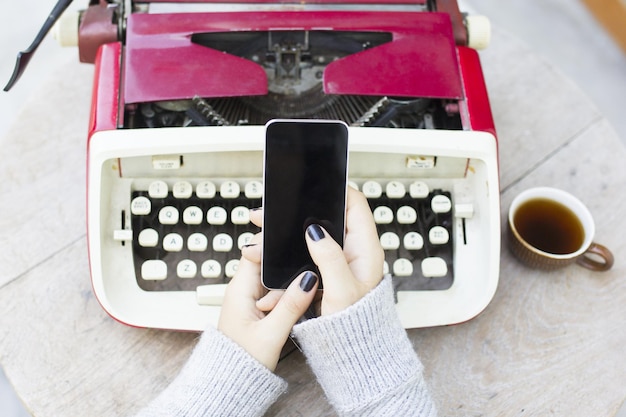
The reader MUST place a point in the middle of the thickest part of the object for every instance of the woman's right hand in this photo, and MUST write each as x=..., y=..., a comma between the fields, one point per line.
x=350, y=273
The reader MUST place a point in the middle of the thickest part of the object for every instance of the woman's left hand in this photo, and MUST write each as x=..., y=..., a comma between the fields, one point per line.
x=263, y=334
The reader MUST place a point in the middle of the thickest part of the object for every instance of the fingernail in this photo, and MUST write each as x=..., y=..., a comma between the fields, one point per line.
x=308, y=281
x=256, y=208
x=249, y=245
x=315, y=232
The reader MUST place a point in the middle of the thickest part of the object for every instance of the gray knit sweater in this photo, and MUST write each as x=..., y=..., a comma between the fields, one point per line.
x=361, y=356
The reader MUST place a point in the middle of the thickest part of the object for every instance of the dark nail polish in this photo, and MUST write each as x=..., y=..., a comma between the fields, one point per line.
x=249, y=245
x=256, y=208
x=308, y=281
x=315, y=232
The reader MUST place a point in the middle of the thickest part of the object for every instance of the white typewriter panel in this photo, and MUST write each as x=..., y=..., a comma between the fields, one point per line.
x=122, y=162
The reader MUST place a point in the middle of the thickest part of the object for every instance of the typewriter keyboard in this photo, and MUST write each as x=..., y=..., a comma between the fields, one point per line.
x=188, y=234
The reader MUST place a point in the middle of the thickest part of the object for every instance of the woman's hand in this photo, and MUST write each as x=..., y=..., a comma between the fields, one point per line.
x=347, y=274
x=350, y=273
x=261, y=334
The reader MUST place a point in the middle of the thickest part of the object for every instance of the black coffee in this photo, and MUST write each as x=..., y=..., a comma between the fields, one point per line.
x=549, y=226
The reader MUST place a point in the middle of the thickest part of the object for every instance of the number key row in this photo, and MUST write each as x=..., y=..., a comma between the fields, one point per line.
x=205, y=189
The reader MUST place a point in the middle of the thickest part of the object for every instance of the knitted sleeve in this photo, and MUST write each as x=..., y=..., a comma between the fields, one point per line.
x=219, y=379
x=364, y=360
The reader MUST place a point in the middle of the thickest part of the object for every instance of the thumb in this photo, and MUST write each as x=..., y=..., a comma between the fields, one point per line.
x=293, y=304
x=341, y=289
x=330, y=260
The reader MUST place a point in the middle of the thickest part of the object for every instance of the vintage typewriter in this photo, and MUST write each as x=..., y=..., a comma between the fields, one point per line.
x=182, y=91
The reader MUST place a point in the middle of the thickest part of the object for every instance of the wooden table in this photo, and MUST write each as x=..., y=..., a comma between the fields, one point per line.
x=548, y=344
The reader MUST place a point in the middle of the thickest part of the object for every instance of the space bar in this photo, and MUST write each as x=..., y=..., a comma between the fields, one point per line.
x=210, y=295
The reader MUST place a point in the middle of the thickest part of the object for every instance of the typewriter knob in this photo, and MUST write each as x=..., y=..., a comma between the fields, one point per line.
x=65, y=30
x=478, y=31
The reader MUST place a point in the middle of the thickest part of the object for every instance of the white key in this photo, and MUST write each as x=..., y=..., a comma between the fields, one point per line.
x=434, y=267
x=157, y=189
x=413, y=241
x=441, y=204
x=173, y=242
x=148, y=238
x=192, y=215
x=353, y=185
x=182, y=189
x=372, y=189
x=402, y=267
x=168, y=215
x=140, y=206
x=231, y=268
x=222, y=242
x=230, y=189
x=395, y=189
x=186, y=269
x=197, y=242
x=438, y=235
x=418, y=189
x=210, y=295
x=154, y=269
x=253, y=189
x=406, y=215
x=211, y=269
x=205, y=189
x=383, y=215
x=244, y=239
x=216, y=215
x=385, y=267
x=240, y=215
x=389, y=241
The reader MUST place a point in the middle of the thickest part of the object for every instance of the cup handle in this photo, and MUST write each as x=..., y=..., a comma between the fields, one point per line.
x=601, y=251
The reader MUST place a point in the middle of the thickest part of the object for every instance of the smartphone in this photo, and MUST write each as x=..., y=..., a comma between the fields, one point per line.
x=305, y=179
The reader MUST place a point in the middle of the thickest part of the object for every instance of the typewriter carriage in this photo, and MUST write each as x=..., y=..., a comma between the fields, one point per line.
x=364, y=62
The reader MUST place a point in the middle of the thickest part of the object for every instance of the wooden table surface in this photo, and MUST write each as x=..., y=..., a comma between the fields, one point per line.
x=548, y=344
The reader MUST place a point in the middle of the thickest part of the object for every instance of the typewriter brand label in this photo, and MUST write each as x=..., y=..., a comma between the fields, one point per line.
x=166, y=162
x=420, y=162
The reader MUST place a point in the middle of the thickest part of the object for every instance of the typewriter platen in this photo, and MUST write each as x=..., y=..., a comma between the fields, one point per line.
x=181, y=94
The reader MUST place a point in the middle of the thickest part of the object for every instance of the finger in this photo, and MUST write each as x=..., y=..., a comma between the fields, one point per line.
x=329, y=258
x=362, y=247
x=269, y=300
x=359, y=218
x=252, y=250
x=293, y=304
x=245, y=286
x=240, y=298
x=326, y=253
x=256, y=217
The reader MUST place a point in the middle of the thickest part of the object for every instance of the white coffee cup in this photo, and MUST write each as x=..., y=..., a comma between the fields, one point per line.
x=550, y=228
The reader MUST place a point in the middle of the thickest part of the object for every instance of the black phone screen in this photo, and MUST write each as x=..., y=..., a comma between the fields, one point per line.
x=305, y=178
